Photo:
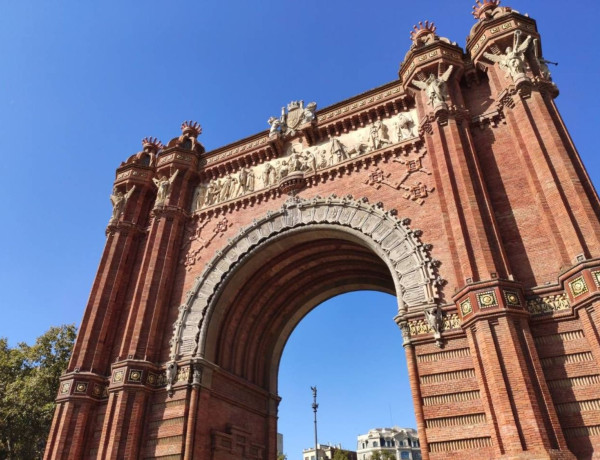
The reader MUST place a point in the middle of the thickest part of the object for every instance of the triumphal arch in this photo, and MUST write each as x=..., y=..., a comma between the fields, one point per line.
x=456, y=188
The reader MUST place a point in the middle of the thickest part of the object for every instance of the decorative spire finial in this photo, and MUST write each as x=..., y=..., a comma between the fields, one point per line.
x=428, y=28
x=191, y=128
x=483, y=7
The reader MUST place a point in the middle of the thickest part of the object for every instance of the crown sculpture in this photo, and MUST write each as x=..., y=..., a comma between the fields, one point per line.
x=152, y=145
x=422, y=30
x=486, y=9
x=191, y=128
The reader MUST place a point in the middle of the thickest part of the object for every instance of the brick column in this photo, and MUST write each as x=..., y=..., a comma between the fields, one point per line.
x=89, y=364
x=143, y=328
x=518, y=404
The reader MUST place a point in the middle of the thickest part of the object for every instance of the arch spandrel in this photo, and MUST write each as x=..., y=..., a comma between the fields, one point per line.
x=388, y=236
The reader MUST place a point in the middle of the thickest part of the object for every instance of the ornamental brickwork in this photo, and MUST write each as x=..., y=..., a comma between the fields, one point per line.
x=455, y=188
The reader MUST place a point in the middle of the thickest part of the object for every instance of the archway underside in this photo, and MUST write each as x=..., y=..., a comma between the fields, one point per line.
x=270, y=294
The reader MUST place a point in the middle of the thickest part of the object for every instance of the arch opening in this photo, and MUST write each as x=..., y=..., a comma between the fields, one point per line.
x=253, y=293
x=351, y=349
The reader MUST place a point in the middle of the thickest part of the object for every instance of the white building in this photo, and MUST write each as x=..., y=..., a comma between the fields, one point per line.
x=326, y=452
x=403, y=443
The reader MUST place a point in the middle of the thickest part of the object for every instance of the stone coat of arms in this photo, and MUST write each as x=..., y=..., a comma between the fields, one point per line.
x=297, y=115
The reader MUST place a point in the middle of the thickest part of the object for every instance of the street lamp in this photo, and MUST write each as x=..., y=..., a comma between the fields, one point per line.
x=315, y=406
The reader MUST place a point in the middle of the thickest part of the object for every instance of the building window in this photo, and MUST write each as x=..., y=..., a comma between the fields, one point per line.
x=404, y=455
x=374, y=443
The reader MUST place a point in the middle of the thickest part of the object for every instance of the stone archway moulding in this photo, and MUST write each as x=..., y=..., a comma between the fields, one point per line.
x=389, y=236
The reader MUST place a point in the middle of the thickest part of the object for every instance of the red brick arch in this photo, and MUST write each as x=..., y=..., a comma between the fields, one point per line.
x=503, y=353
x=290, y=260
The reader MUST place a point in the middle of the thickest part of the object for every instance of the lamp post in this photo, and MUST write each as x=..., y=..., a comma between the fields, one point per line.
x=315, y=406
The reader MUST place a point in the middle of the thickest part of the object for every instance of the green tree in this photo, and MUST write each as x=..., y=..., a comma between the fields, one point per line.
x=383, y=455
x=281, y=456
x=340, y=455
x=28, y=386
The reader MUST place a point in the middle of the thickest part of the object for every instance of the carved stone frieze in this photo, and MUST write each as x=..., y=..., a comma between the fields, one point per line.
x=389, y=236
x=423, y=326
x=549, y=304
x=307, y=160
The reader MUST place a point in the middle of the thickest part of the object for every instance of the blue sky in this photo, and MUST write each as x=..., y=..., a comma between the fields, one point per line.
x=82, y=83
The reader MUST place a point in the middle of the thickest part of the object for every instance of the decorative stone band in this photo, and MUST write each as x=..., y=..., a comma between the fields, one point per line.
x=181, y=157
x=144, y=376
x=388, y=236
x=421, y=326
x=549, y=304
x=83, y=385
x=131, y=375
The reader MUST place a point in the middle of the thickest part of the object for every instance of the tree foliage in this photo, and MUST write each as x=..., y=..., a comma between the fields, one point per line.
x=383, y=455
x=340, y=455
x=28, y=386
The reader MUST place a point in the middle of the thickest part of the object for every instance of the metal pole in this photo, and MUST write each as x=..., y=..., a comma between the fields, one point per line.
x=315, y=406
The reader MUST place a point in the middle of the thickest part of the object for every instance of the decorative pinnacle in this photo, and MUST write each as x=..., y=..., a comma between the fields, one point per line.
x=191, y=127
x=483, y=6
x=152, y=144
x=423, y=29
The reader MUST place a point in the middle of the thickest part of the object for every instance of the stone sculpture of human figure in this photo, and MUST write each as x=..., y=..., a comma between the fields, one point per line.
x=275, y=125
x=542, y=63
x=283, y=169
x=164, y=187
x=250, y=180
x=212, y=192
x=309, y=112
x=243, y=181
x=337, y=151
x=295, y=161
x=310, y=160
x=377, y=137
x=225, y=188
x=404, y=127
x=119, y=200
x=267, y=174
x=323, y=163
x=433, y=316
x=513, y=60
x=435, y=87
x=200, y=197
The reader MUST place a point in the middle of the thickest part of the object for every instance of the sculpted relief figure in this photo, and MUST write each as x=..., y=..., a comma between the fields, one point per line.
x=377, y=136
x=213, y=191
x=435, y=88
x=275, y=124
x=542, y=63
x=405, y=127
x=337, y=151
x=164, y=187
x=268, y=175
x=283, y=169
x=119, y=200
x=200, y=197
x=310, y=161
x=513, y=60
x=433, y=316
x=295, y=162
x=309, y=112
x=225, y=188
